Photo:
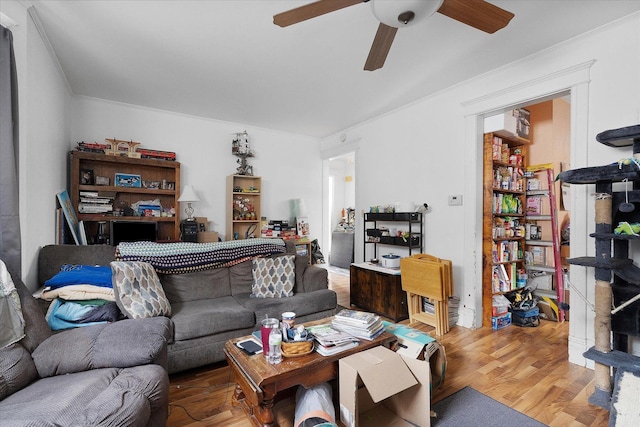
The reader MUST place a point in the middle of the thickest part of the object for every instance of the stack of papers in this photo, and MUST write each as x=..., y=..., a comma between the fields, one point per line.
x=360, y=324
x=331, y=341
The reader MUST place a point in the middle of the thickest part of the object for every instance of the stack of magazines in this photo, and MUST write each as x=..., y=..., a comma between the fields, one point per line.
x=360, y=324
x=331, y=341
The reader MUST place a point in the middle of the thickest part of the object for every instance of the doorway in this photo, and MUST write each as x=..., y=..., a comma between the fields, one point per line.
x=340, y=208
x=549, y=134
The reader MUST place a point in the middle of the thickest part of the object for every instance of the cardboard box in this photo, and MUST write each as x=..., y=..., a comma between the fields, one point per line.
x=514, y=123
x=379, y=387
x=499, y=322
x=203, y=223
x=418, y=345
x=207, y=236
x=542, y=281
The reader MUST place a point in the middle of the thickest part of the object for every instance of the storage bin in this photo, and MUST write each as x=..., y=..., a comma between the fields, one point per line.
x=499, y=322
x=408, y=241
x=405, y=216
x=385, y=216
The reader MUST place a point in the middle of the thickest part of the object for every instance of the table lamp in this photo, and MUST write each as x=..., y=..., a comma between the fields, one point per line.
x=189, y=196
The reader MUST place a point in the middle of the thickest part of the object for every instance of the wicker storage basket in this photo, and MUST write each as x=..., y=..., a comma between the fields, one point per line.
x=296, y=348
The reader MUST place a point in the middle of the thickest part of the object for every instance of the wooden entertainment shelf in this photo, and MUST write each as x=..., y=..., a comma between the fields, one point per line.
x=102, y=165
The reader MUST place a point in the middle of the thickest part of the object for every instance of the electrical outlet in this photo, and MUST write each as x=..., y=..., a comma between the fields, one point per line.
x=455, y=200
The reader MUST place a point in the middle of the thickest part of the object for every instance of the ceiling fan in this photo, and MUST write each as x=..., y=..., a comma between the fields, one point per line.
x=401, y=13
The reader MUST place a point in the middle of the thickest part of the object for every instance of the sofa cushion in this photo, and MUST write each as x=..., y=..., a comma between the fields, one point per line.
x=36, y=328
x=241, y=277
x=121, y=344
x=17, y=369
x=273, y=277
x=301, y=304
x=200, y=318
x=138, y=290
x=205, y=284
x=108, y=396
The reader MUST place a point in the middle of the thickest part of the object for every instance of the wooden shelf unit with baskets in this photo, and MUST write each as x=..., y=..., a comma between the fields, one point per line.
x=148, y=169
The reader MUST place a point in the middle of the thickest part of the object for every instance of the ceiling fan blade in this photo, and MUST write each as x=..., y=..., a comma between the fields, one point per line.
x=477, y=13
x=311, y=10
x=380, y=47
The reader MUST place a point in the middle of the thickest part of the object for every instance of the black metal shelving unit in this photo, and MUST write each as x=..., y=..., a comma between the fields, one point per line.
x=414, y=242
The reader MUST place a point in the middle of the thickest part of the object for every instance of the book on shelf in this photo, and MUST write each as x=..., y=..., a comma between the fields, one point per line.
x=95, y=200
x=98, y=208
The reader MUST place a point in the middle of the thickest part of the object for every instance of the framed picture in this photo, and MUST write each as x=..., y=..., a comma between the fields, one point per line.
x=70, y=216
x=127, y=180
x=102, y=180
x=86, y=177
x=302, y=225
x=152, y=185
x=171, y=185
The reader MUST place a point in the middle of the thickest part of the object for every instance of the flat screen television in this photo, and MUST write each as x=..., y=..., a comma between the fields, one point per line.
x=133, y=231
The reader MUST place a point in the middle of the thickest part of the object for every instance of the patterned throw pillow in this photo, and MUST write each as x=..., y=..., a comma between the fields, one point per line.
x=138, y=290
x=273, y=277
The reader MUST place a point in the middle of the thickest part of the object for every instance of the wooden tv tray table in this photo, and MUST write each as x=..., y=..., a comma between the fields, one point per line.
x=258, y=382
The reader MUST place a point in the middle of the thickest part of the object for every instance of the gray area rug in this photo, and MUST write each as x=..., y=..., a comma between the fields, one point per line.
x=469, y=407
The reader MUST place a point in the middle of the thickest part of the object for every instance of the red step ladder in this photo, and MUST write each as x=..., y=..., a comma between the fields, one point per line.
x=547, y=169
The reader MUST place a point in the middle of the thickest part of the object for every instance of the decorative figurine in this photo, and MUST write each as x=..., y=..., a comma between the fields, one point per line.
x=240, y=148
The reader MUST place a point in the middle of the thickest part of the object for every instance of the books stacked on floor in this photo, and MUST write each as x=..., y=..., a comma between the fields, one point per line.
x=331, y=341
x=360, y=324
x=427, y=306
x=96, y=202
x=454, y=305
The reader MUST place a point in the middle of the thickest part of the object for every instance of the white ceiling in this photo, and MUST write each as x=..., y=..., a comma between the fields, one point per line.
x=226, y=60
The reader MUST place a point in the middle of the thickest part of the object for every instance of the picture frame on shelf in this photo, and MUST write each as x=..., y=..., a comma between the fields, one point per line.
x=171, y=185
x=127, y=180
x=86, y=177
x=151, y=185
x=302, y=225
x=102, y=180
x=70, y=215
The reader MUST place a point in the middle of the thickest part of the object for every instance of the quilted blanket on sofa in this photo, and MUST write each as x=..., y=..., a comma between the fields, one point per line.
x=187, y=257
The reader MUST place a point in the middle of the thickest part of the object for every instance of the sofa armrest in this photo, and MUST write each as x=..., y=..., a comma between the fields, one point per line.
x=122, y=344
x=315, y=278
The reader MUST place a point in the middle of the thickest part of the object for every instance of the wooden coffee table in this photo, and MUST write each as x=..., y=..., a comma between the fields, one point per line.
x=258, y=382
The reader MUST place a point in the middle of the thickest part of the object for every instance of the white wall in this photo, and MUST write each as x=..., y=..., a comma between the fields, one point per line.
x=289, y=164
x=43, y=99
x=430, y=151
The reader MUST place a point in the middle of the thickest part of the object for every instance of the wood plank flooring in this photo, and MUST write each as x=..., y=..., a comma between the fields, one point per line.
x=524, y=368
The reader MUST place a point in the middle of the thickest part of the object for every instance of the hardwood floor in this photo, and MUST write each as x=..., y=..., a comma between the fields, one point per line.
x=524, y=368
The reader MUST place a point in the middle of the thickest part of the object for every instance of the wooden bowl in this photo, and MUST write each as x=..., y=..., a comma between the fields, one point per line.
x=296, y=348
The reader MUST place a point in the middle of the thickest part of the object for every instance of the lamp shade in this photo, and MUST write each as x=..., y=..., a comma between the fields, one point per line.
x=298, y=208
x=188, y=194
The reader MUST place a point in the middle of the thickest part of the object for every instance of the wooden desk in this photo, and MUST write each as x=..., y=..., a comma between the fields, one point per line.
x=258, y=382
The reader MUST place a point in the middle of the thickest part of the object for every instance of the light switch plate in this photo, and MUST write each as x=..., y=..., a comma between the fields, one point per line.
x=455, y=200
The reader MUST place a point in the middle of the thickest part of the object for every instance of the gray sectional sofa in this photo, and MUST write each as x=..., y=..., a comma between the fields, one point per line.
x=212, y=306
x=110, y=374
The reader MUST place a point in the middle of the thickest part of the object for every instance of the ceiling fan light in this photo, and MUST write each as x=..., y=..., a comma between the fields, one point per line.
x=396, y=13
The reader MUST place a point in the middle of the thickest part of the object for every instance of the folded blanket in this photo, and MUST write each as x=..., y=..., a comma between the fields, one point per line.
x=79, y=292
x=187, y=257
x=66, y=314
x=71, y=274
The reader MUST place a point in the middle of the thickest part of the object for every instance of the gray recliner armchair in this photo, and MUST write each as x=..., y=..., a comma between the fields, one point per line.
x=102, y=375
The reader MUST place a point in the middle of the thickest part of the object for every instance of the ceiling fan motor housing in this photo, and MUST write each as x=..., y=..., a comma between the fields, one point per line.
x=402, y=13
